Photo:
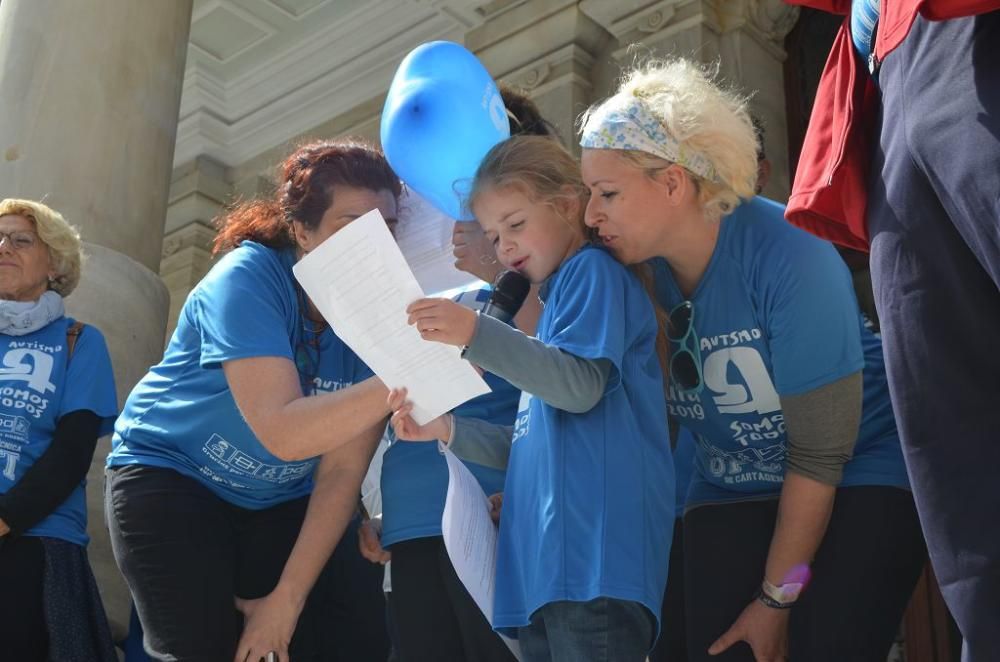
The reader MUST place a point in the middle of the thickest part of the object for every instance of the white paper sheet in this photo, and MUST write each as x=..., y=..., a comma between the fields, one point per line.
x=471, y=538
x=361, y=284
x=424, y=237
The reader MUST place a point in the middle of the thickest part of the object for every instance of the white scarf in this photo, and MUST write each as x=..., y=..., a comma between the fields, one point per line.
x=19, y=318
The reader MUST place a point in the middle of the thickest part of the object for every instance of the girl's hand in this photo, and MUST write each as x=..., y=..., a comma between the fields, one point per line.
x=407, y=429
x=443, y=321
x=370, y=541
x=268, y=625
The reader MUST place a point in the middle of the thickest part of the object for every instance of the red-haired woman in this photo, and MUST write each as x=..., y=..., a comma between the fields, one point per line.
x=237, y=462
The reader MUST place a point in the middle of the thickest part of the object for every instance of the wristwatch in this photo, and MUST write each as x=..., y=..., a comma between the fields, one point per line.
x=779, y=597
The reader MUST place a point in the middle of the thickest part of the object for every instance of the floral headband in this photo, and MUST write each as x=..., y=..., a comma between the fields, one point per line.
x=625, y=122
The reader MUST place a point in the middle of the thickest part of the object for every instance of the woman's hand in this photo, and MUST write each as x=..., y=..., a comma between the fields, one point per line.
x=370, y=541
x=4, y=529
x=803, y=513
x=473, y=252
x=268, y=625
x=407, y=429
x=763, y=627
x=496, y=504
x=443, y=321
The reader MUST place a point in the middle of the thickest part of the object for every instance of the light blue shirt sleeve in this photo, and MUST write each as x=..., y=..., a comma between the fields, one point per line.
x=245, y=307
x=811, y=315
x=90, y=381
x=590, y=322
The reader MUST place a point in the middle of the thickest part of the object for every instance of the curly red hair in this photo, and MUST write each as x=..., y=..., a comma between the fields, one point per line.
x=307, y=182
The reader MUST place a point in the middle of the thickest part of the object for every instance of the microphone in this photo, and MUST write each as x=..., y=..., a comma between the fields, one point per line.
x=508, y=295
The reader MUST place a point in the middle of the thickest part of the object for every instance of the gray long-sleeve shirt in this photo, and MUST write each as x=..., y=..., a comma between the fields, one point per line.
x=561, y=379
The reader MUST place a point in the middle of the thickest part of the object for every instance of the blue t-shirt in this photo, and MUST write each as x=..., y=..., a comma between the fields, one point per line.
x=589, y=501
x=683, y=467
x=37, y=388
x=415, y=474
x=775, y=315
x=864, y=18
x=182, y=415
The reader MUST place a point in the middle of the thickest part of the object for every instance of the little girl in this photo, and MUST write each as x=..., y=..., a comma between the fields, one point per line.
x=588, y=500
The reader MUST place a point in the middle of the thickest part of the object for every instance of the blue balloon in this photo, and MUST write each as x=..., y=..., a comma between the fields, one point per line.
x=442, y=114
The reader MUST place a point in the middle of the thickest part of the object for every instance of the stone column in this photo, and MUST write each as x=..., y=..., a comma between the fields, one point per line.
x=745, y=37
x=88, y=117
x=199, y=192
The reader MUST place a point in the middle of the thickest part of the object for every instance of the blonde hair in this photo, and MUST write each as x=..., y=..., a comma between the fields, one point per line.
x=60, y=238
x=539, y=167
x=703, y=117
x=544, y=171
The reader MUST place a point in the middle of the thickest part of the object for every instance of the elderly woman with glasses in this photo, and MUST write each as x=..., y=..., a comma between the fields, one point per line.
x=800, y=533
x=57, y=396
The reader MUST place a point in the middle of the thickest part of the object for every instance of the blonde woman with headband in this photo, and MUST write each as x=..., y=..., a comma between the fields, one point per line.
x=801, y=540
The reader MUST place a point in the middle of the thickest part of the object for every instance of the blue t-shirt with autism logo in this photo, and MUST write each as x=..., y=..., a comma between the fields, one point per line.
x=37, y=388
x=182, y=415
x=589, y=501
x=775, y=315
x=683, y=466
x=415, y=474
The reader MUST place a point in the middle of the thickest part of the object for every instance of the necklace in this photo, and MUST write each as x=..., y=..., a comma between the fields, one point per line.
x=312, y=326
x=308, y=348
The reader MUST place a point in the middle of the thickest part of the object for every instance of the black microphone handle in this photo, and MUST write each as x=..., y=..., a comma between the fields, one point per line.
x=496, y=312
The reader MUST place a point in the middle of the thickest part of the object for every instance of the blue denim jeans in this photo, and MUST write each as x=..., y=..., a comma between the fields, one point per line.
x=600, y=630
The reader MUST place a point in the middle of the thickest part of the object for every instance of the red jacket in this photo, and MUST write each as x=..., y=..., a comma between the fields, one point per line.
x=830, y=189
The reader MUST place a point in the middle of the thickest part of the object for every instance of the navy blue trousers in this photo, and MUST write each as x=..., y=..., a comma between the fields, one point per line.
x=934, y=223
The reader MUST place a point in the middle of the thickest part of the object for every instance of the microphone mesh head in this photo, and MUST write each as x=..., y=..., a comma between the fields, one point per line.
x=510, y=291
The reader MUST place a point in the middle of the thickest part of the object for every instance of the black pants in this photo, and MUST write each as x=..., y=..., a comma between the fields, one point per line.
x=934, y=222
x=435, y=618
x=672, y=643
x=186, y=553
x=23, y=635
x=862, y=576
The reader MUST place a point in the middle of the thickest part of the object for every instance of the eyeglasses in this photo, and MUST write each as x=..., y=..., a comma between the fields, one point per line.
x=19, y=240
x=685, y=359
